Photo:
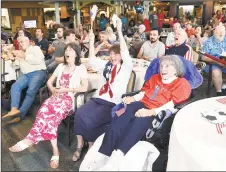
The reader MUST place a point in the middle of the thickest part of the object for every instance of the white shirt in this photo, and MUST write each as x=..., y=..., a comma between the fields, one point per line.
x=154, y=50
x=34, y=60
x=119, y=86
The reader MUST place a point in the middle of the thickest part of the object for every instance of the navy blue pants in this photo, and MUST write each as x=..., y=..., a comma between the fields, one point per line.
x=92, y=118
x=126, y=130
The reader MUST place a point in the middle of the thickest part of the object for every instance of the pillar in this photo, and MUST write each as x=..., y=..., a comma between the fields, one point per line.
x=173, y=9
x=208, y=8
x=78, y=13
x=57, y=13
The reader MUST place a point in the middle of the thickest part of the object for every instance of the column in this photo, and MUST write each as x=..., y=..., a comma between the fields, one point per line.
x=208, y=8
x=173, y=9
x=57, y=12
x=78, y=13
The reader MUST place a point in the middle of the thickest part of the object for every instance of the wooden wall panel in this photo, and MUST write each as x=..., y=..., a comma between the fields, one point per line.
x=19, y=15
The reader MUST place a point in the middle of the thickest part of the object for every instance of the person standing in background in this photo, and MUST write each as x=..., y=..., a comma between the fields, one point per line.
x=124, y=23
x=153, y=18
x=102, y=23
x=161, y=18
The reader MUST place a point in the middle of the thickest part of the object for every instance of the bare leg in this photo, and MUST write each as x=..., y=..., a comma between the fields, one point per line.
x=217, y=79
x=77, y=154
x=54, y=163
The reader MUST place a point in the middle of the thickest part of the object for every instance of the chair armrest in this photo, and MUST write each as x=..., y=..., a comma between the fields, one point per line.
x=131, y=93
x=3, y=74
x=86, y=93
x=89, y=92
x=181, y=105
x=76, y=97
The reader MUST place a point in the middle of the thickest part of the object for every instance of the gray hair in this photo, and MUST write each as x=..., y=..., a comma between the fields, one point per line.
x=176, y=62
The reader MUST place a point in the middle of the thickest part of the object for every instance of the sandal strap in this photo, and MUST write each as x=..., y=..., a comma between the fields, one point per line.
x=55, y=158
x=78, y=150
x=22, y=145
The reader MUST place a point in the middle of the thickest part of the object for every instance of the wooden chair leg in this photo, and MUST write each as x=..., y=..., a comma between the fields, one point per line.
x=209, y=81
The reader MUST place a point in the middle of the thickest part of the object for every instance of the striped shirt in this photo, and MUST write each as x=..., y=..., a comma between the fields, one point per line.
x=183, y=50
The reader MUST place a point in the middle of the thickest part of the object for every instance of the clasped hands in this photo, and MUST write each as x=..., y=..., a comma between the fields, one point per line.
x=55, y=91
x=141, y=112
x=16, y=54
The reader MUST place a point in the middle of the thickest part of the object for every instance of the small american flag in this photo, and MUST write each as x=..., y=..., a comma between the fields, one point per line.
x=219, y=128
x=222, y=100
x=223, y=125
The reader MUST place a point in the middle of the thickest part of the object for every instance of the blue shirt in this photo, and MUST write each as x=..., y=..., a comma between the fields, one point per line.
x=214, y=47
x=102, y=24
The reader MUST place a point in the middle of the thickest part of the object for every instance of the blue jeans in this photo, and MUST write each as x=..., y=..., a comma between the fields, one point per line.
x=33, y=80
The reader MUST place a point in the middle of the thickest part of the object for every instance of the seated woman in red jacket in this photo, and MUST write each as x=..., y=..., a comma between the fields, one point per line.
x=161, y=92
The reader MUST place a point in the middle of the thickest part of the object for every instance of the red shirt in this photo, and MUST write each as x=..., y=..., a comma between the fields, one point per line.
x=190, y=32
x=157, y=93
x=147, y=25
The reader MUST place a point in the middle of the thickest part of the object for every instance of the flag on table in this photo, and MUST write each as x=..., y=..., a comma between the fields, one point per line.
x=222, y=100
x=220, y=127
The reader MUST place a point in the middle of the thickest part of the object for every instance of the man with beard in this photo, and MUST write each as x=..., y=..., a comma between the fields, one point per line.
x=152, y=48
x=54, y=50
x=216, y=46
x=42, y=42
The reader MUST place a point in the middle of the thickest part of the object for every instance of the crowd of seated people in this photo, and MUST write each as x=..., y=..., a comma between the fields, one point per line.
x=62, y=59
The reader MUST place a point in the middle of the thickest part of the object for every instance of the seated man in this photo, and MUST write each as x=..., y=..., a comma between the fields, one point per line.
x=170, y=37
x=216, y=45
x=32, y=65
x=152, y=48
x=161, y=92
x=69, y=37
x=92, y=118
x=54, y=51
x=42, y=43
x=181, y=48
x=102, y=47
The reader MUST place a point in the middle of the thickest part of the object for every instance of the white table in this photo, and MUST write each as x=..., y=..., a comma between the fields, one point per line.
x=195, y=144
x=10, y=69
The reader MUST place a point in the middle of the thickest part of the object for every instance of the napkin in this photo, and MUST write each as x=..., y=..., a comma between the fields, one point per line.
x=215, y=116
x=114, y=19
x=93, y=12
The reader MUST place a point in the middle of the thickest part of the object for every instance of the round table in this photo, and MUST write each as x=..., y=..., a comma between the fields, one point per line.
x=195, y=144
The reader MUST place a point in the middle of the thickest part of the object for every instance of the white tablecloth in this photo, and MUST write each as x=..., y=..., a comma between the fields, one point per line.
x=195, y=144
x=10, y=69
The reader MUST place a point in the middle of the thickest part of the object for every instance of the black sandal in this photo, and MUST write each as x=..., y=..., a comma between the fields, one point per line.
x=79, y=150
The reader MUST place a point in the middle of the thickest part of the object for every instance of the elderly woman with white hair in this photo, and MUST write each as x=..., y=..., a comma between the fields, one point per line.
x=111, y=35
x=140, y=35
x=162, y=91
x=180, y=47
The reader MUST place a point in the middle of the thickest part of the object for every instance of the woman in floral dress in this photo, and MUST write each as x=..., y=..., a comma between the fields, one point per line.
x=71, y=77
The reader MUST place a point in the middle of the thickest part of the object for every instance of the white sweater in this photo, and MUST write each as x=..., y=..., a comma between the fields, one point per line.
x=78, y=75
x=33, y=61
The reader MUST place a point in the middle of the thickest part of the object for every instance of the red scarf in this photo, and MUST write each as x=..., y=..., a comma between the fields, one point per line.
x=106, y=87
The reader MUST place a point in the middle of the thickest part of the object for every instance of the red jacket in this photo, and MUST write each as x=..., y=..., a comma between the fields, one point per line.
x=158, y=94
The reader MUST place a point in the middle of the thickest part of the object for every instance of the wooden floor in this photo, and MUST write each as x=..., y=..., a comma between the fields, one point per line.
x=37, y=157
